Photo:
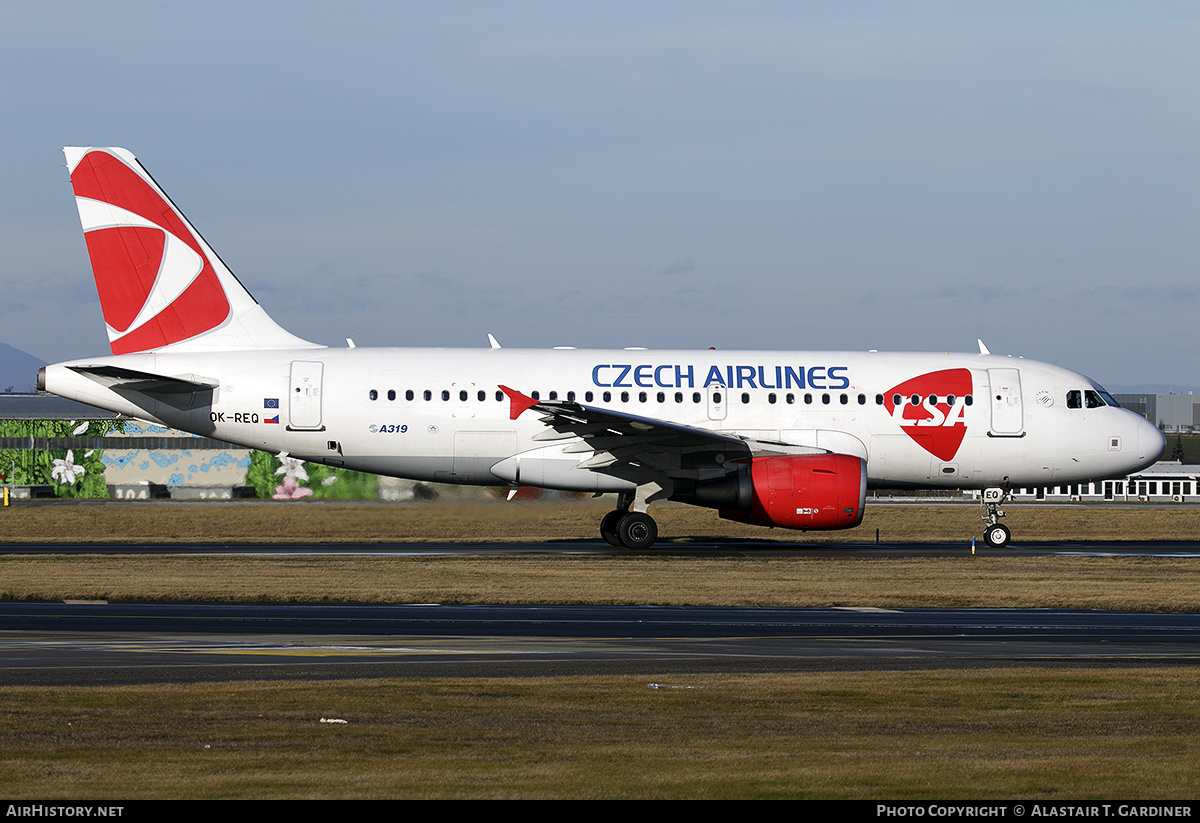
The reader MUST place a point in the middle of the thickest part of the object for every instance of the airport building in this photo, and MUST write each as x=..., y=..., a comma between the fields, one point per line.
x=1164, y=482
x=1170, y=412
x=54, y=447
x=49, y=444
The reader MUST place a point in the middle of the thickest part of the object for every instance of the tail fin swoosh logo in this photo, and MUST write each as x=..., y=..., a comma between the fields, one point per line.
x=156, y=283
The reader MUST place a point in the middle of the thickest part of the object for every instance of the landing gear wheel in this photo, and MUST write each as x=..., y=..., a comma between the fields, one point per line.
x=996, y=536
x=608, y=527
x=637, y=530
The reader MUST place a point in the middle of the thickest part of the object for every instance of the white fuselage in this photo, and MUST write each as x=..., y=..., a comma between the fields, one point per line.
x=439, y=415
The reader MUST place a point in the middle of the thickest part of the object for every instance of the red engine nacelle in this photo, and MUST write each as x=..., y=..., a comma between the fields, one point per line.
x=810, y=491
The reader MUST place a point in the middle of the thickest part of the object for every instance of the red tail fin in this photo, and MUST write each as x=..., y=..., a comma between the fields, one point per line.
x=160, y=284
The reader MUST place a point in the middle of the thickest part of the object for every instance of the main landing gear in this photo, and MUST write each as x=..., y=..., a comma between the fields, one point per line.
x=631, y=530
x=994, y=534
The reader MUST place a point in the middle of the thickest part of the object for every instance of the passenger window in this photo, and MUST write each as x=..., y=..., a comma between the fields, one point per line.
x=791, y=398
x=771, y=398
x=570, y=397
x=408, y=395
x=374, y=395
x=391, y=394
x=446, y=394
x=428, y=395
x=462, y=396
x=553, y=395
x=588, y=396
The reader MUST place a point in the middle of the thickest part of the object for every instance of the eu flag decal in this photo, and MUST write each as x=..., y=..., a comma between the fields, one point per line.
x=270, y=402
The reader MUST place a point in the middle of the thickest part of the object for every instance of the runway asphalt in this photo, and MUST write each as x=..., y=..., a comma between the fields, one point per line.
x=94, y=643
x=709, y=548
x=44, y=643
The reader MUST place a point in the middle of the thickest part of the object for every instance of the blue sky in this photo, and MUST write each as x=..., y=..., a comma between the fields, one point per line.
x=740, y=175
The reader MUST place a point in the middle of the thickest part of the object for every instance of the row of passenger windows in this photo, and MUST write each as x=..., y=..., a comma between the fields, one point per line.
x=679, y=397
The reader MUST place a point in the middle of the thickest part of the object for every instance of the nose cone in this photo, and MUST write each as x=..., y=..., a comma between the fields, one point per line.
x=1151, y=444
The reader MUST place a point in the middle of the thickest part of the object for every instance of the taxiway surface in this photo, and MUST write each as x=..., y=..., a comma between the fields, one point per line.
x=59, y=643
x=93, y=643
x=597, y=548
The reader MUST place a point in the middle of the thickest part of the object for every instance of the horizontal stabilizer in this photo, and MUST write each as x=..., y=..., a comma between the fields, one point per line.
x=116, y=377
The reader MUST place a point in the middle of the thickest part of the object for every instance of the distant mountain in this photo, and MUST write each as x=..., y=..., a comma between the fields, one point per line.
x=18, y=370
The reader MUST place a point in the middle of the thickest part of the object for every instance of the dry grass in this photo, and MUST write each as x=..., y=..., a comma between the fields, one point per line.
x=1063, y=582
x=129, y=521
x=1034, y=734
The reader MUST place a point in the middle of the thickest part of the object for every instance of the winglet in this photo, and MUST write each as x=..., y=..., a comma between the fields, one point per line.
x=982, y=348
x=520, y=402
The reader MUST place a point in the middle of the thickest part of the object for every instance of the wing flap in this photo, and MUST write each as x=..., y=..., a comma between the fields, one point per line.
x=616, y=439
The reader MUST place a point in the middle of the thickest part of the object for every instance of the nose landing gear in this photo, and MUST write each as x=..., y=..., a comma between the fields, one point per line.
x=995, y=535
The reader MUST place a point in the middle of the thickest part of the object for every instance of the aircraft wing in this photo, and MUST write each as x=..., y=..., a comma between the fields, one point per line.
x=615, y=438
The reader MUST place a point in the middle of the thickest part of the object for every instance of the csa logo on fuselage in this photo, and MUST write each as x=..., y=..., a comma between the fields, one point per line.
x=937, y=419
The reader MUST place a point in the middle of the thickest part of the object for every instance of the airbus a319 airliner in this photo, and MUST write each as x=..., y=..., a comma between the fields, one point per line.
x=786, y=439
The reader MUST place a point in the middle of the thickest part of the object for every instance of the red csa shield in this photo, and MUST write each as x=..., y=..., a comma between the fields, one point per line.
x=935, y=424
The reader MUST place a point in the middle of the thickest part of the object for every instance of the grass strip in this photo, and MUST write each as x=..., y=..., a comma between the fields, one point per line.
x=266, y=521
x=1061, y=734
x=1135, y=584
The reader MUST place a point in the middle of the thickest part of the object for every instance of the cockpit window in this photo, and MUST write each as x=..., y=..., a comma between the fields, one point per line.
x=1095, y=398
x=1091, y=398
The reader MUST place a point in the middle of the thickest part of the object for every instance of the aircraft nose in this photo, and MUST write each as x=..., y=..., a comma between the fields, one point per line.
x=1151, y=443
